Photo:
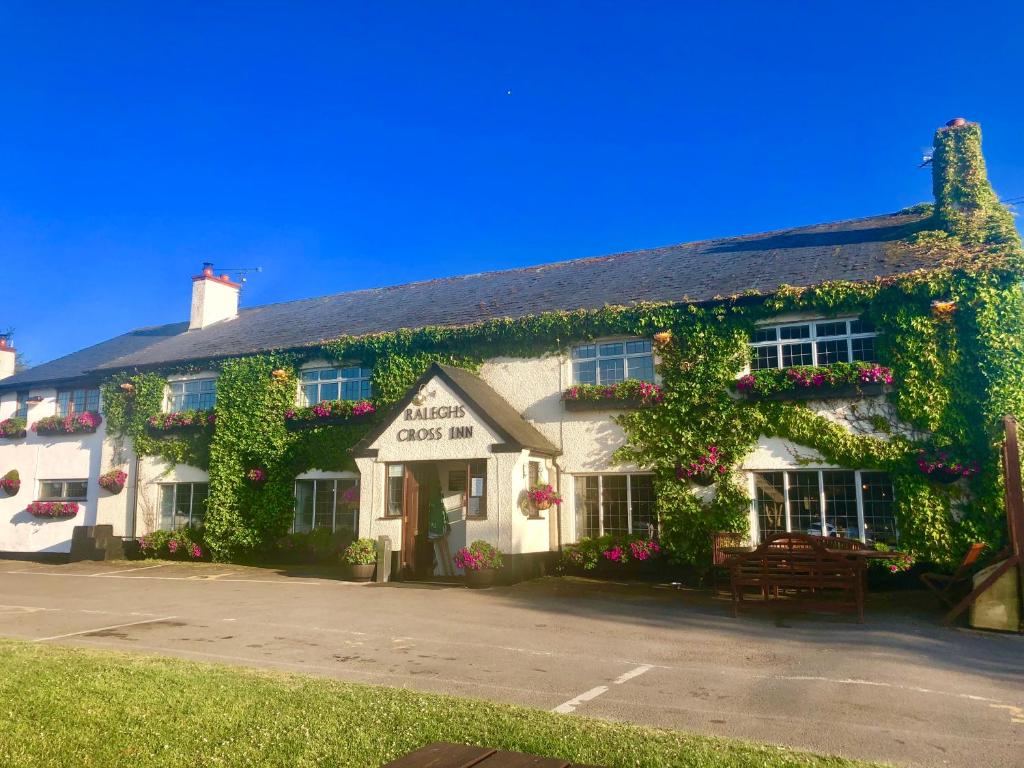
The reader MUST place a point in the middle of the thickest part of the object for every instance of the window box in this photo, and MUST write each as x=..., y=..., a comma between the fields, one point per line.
x=626, y=395
x=842, y=380
x=183, y=421
x=13, y=429
x=58, y=510
x=327, y=413
x=85, y=422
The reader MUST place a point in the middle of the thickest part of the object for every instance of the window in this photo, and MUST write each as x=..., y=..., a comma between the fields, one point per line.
x=812, y=343
x=72, y=401
x=193, y=395
x=610, y=362
x=615, y=504
x=21, y=407
x=63, y=490
x=183, y=505
x=476, y=499
x=854, y=504
x=350, y=383
x=396, y=490
x=330, y=504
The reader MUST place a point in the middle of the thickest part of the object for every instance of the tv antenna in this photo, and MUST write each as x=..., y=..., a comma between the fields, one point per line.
x=239, y=272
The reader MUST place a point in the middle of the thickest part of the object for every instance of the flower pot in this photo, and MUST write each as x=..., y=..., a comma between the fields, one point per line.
x=12, y=489
x=481, y=579
x=114, y=488
x=358, y=571
x=540, y=506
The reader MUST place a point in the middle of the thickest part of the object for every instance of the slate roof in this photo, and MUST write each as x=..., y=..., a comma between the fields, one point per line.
x=858, y=250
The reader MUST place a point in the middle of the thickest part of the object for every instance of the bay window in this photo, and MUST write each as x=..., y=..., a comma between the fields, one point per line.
x=614, y=504
x=853, y=504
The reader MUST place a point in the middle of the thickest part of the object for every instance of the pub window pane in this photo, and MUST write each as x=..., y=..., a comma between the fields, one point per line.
x=72, y=401
x=879, y=518
x=477, y=501
x=834, y=351
x=584, y=351
x=795, y=332
x=323, y=505
x=614, y=504
x=585, y=373
x=770, y=503
x=841, y=503
x=183, y=505
x=641, y=490
x=860, y=325
x=830, y=329
x=764, y=334
x=804, y=502
x=611, y=371
x=612, y=362
x=167, y=507
x=589, y=510
x=21, y=409
x=328, y=391
x=51, y=489
x=797, y=354
x=765, y=357
x=75, y=489
x=396, y=489
x=346, y=508
x=640, y=368
x=194, y=395
x=613, y=349
x=640, y=346
x=353, y=382
x=863, y=349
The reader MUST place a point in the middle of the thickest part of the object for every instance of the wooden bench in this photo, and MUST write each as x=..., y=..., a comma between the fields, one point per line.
x=796, y=570
x=445, y=755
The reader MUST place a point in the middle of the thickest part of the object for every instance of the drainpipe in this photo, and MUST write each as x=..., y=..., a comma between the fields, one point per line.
x=561, y=447
x=135, y=495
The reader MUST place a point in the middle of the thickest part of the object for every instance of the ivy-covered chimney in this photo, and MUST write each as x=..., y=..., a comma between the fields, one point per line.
x=965, y=203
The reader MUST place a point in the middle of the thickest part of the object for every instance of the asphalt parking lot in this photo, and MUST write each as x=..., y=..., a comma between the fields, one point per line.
x=898, y=688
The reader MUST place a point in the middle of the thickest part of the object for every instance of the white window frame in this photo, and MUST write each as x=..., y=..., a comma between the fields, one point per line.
x=366, y=375
x=813, y=339
x=823, y=511
x=174, y=501
x=574, y=360
x=64, y=488
x=334, y=501
x=578, y=481
x=171, y=394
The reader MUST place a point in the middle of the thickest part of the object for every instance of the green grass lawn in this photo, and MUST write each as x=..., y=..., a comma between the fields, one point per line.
x=69, y=707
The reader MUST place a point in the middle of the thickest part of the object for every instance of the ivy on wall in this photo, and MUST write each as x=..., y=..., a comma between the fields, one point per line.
x=957, y=372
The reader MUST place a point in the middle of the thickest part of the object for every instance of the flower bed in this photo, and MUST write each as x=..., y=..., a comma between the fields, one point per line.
x=328, y=412
x=182, y=421
x=810, y=382
x=113, y=481
x=53, y=509
x=85, y=422
x=10, y=483
x=944, y=468
x=591, y=554
x=183, y=544
x=631, y=393
x=12, y=428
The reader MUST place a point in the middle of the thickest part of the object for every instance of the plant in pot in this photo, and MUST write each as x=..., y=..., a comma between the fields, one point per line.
x=360, y=560
x=113, y=481
x=480, y=562
x=705, y=469
x=11, y=482
x=542, y=496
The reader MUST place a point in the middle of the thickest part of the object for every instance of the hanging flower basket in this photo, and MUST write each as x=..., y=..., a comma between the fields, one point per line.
x=54, y=510
x=942, y=468
x=113, y=481
x=13, y=428
x=11, y=483
x=256, y=477
x=79, y=423
x=543, y=496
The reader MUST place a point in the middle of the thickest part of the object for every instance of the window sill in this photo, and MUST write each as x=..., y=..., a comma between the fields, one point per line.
x=475, y=518
x=844, y=391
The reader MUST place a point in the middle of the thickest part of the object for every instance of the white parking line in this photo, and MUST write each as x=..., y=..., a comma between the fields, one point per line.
x=101, y=629
x=115, y=574
x=567, y=707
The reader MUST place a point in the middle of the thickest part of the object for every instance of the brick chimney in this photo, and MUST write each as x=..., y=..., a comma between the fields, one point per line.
x=7, y=356
x=213, y=299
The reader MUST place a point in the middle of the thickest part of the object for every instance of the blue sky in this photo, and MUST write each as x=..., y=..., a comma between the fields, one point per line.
x=350, y=145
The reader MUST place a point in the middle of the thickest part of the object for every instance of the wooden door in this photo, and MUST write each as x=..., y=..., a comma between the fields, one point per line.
x=410, y=519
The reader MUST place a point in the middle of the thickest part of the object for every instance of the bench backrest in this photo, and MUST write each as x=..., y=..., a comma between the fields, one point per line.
x=721, y=539
x=797, y=555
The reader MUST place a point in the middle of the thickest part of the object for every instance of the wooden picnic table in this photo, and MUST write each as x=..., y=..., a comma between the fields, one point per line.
x=866, y=554
x=446, y=755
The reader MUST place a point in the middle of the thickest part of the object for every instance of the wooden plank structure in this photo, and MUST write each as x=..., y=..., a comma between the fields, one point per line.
x=1014, y=523
x=443, y=754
